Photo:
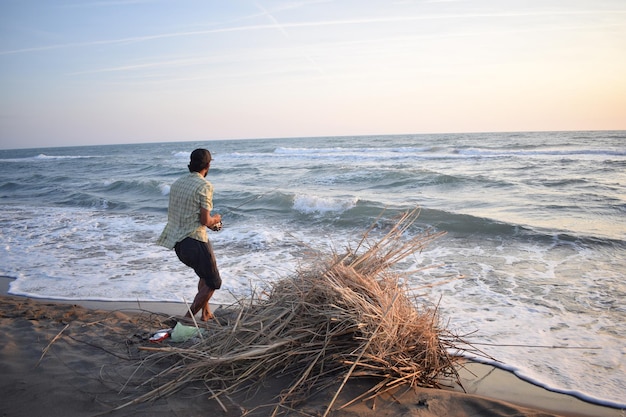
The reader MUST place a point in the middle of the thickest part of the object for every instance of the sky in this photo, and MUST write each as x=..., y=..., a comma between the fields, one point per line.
x=129, y=71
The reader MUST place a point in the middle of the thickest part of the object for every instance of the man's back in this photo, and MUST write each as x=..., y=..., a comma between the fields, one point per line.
x=188, y=195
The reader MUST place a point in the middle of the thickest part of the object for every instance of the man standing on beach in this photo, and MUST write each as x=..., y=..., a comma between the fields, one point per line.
x=188, y=215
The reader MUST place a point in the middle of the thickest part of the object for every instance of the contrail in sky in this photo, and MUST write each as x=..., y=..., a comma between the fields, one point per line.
x=283, y=26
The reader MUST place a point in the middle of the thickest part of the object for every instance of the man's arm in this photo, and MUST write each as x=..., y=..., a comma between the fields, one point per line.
x=208, y=220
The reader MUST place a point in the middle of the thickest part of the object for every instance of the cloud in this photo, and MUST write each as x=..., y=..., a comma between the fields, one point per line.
x=273, y=19
x=323, y=23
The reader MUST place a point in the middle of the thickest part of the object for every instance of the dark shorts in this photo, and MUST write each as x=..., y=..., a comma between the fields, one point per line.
x=199, y=256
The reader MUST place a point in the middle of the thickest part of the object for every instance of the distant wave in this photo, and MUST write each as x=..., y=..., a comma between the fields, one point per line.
x=363, y=151
x=465, y=224
x=477, y=152
x=340, y=149
x=181, y=154
x=363, y=213
x=85, y=200
x=354, y=211
x=427, y=152
x=360, y=214
x=44, y=157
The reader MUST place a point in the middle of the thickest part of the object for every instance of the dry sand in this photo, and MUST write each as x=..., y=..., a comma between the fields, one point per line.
x=65, y=359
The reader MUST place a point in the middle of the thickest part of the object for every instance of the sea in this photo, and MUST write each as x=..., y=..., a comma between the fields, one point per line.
x=531, y=269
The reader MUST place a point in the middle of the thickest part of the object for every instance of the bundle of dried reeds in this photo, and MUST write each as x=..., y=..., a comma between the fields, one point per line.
x=348, y=317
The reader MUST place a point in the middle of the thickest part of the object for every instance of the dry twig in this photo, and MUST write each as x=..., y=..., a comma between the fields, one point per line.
x=50, y=344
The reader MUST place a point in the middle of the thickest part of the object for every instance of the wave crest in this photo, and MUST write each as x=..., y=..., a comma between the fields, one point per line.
x=321, y=205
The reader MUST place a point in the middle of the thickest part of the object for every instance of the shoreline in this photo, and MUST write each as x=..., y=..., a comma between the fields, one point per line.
x=478, y=379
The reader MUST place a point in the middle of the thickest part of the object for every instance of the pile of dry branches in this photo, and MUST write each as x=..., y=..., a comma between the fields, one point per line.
x=349, y=317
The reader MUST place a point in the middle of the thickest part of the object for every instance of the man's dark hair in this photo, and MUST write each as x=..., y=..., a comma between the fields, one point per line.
x=200, y=159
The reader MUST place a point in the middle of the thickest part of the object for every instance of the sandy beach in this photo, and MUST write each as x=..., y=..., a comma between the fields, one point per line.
x=75, y=359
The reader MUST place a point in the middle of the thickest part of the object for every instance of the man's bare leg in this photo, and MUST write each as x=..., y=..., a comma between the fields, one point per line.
x=206, y=311
x=201, y=301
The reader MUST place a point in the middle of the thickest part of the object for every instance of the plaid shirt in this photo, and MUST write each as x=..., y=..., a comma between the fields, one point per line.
x=187, y=195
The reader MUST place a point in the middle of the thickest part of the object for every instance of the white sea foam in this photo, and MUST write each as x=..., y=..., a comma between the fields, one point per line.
x=165, y=189
x=308, y=204
x=45, y=157
x=515, y=298
x=84, y=254
x=549, y=153
x=181, y=154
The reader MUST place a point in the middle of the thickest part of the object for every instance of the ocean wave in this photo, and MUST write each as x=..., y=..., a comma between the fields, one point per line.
x=10, y=186
x=282, y=205
x=352, y=150
x=44, y=157
x=441, y=150
x=362, y=153
x=137, y=187
x=425, y=152
x=471, y=225
x=53, y=157
x=309, y=204
x=521, y=373
x=181, y=154
x=111, y=195
x=487, y=153
x=86, y=200
x=354, y=211
x=165, y=189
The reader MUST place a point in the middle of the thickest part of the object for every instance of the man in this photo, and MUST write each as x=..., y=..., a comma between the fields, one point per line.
x=189, y=213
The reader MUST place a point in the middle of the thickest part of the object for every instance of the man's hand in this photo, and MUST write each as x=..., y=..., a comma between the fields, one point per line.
x=216, y=227
x=210, y=221
x=214, y=222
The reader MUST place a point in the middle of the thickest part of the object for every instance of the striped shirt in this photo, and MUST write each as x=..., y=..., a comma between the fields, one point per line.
x=187, y=195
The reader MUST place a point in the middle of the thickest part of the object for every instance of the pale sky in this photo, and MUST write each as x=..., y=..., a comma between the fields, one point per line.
x=125, y=71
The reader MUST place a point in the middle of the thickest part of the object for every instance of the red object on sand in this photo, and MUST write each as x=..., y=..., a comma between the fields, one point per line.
x=160, y=335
